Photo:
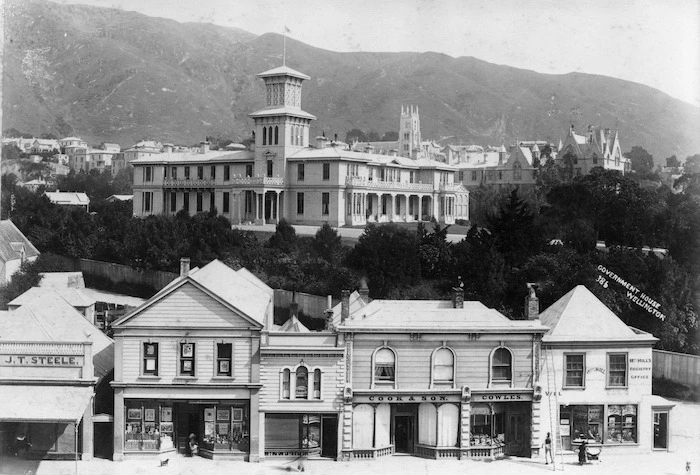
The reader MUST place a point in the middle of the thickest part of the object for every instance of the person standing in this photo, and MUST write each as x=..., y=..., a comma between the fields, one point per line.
x=548, y=449
x=582, y=452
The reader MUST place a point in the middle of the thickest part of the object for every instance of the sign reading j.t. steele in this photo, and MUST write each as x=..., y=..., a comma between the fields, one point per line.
x=41, y=360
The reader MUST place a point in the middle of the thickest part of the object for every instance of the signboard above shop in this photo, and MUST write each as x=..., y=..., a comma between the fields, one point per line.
x=70, y=361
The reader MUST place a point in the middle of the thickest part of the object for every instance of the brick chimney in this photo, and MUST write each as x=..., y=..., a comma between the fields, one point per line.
x=328, y=314
x=364, y=290
x=321, y=141
x=203, y=147
x=458, y=294
x=344, y=305
x=532, y=303
x=184, y=266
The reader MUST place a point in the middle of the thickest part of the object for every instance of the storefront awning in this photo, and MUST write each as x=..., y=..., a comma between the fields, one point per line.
x=43, y=403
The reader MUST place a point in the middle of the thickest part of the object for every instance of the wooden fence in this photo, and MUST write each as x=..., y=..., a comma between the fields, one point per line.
x=678, y=367
x=310, y=305
x=117, y=273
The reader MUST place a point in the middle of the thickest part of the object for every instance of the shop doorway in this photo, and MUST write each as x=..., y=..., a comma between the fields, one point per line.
x=188, y=422
x=661, y=429
x=403, y=434
x=329, y=436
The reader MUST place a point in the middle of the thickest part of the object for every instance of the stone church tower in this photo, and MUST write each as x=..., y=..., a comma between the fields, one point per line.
x=409, y=132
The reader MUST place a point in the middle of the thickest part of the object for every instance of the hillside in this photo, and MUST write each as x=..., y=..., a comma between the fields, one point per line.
x=112, y=75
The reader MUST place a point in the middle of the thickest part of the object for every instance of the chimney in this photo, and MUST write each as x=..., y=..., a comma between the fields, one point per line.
x=571, y=130
x=344, y=305
x=364, y=290
x=532, y=303
x=328, y=315
x=321, y=141
x=184, y=266
x=458, y=294
x=203, y=146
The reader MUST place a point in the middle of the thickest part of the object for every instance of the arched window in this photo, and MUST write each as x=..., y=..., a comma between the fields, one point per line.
x=501, y=365
x=443, y=366
x=384, y=366
x=285, y=384
x=277, y=135
x=264, y=134
x=517, y=171
x=317, y=384
x=302, y=380
x=269, y=135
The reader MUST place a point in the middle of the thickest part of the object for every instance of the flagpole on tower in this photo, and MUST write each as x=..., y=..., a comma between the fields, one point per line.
x=284, y=46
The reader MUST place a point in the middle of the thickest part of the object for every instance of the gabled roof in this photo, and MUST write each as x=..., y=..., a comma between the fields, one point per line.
x=50, y=318
x=68, y=198
x=293, y=325
x=10, y=237
x=120, y=198
x=283, y=71
x=234, y=289
x=580, y=317
x=75, y=297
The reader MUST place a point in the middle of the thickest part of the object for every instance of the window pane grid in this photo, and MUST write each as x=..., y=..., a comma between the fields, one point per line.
x=574, y=370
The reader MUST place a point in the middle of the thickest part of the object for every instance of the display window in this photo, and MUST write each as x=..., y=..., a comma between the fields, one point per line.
x=293, y=431
x=145, y=428
x=226, y=427
x=622, y=424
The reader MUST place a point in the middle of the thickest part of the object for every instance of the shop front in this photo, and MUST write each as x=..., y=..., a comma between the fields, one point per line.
x=307, y=434
x=500, y=424
x=423, y=424
x=608, y=424
x=221, y=428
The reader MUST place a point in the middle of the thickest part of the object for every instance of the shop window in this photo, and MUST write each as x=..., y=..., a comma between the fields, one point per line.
x=447, y=425
x=622, y=424
x=362, y=426
x=587, y=422
x=575, y=366
x=617, y=369
x=384, y=366
x=150, y=359
x=224, y=354
x=302, y=383
x=501, y=365
x=427, y=424
x=443, y=366
x=226, y=428
x=487, y=426
x=187, y=358
x=293, y=431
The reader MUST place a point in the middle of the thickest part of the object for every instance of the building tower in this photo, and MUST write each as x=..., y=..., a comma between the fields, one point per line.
x=281, y=127
x=409, y=132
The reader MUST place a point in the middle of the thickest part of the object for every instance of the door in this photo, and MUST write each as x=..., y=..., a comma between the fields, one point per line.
x=329, y=437
x=660, y=430
x=403, y=434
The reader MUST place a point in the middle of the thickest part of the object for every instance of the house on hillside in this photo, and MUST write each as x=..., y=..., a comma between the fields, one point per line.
x=596, y=376
x=598, y=148
x=69, y=198
x=15, y=249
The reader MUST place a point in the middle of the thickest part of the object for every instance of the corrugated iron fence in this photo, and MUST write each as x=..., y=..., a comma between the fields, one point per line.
x=120, y=273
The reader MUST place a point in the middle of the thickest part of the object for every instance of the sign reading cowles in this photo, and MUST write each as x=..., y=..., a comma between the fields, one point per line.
x=633, y=293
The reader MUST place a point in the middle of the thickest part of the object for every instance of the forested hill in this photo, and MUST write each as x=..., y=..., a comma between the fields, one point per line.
x=117, y=76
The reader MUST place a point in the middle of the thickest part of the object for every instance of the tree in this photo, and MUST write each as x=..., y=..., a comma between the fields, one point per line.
x=327, y=243
x=285, y=237
x=481, y=266
x=390, y=136
x=373, y=136
x=673, y=162
x=388, y=256
x=11, y=152
x=48, y=136
x=355, y=135
x=642, y=161
x=692, y=164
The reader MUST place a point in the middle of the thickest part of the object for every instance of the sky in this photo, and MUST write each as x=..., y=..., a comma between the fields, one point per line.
x=652, y=42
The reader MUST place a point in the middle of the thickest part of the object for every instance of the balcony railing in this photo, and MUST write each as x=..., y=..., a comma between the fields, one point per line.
x=454, y=187
x=175, y=183
x=388, y=185
x=257, y=180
